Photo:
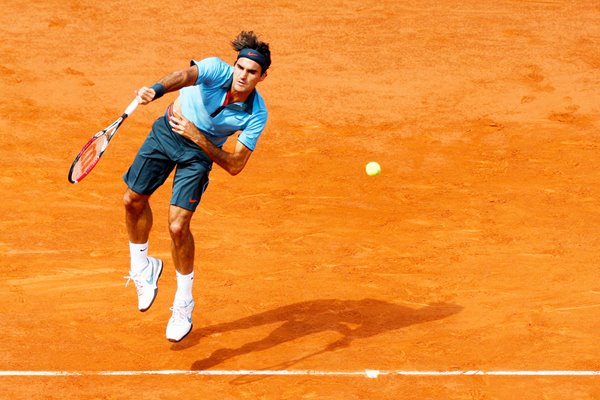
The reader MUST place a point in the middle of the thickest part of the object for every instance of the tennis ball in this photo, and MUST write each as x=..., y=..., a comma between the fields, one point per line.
x=373, y=168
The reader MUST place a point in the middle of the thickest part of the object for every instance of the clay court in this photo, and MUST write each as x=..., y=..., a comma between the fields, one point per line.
x=476, y=249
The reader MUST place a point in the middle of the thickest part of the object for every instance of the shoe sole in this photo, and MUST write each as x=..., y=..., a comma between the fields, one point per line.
x=160, y=263
x=183, y=337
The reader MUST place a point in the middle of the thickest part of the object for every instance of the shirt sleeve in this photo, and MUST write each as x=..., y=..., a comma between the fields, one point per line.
x=250, y=134
x=211, y=71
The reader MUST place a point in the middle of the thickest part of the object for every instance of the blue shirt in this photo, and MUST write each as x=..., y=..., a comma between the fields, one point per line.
x=203, y=105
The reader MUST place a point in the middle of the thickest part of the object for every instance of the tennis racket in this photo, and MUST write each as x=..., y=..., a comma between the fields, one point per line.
x=90, y=154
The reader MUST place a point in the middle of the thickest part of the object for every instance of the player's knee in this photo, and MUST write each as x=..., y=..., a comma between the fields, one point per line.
x=128, y=200
x=133, y=202
x=178, y=230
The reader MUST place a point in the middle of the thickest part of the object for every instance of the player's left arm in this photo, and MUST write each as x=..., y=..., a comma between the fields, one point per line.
x=169, y=83
x=232, y=162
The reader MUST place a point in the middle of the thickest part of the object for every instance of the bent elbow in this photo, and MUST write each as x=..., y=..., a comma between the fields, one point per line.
x=236, y=163
x=234, y=170
x=238, y=166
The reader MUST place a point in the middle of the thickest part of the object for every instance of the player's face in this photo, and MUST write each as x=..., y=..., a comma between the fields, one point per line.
x=246, y=75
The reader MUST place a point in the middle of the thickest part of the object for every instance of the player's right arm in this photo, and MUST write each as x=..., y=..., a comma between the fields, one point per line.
x=169, y=83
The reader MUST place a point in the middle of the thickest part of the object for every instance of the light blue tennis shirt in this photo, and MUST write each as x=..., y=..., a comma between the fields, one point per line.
x=203, y=105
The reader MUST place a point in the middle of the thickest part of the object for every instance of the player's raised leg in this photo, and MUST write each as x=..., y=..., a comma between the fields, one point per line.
x=144, y=270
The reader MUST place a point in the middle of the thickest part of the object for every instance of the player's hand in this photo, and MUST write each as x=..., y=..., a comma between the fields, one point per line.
x=184, y=127
x=145, y=95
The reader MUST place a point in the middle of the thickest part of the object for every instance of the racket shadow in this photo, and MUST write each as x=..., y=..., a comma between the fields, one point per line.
x=352, y=319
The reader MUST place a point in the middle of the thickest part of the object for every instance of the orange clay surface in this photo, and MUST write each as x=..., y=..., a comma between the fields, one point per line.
x=477, y=248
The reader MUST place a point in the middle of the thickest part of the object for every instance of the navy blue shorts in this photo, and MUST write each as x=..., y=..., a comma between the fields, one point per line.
x=162, y=151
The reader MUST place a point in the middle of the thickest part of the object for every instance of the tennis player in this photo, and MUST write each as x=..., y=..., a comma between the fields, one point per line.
x=215, y=101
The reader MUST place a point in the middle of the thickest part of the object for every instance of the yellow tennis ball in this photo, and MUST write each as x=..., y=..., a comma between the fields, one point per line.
x=373, y=168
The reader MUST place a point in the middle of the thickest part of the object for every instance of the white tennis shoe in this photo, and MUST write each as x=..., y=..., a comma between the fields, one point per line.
x=180, y=323
x=146, y=283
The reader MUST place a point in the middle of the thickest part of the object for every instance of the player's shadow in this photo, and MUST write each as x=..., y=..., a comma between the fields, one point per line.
x=352, y=319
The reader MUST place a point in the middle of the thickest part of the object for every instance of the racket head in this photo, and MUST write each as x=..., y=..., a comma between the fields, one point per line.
x=91, y=152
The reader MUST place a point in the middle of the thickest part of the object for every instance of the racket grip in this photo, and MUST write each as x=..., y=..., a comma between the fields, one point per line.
x=132, y=106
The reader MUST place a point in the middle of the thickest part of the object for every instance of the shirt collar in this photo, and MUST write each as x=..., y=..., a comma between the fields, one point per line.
x=246, y=106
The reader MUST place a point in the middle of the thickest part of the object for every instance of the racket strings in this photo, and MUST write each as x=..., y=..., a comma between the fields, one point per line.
x=89, y=157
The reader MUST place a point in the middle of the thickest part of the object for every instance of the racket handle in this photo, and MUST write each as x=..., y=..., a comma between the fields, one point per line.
x=132, y=106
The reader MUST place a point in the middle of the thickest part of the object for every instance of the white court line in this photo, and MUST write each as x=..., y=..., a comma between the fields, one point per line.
x=369, y=373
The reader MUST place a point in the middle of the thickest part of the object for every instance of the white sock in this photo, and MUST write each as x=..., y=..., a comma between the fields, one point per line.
x=184, y=287
x=139, y=257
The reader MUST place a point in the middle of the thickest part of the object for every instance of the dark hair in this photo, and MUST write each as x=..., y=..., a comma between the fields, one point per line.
x=250, y=40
